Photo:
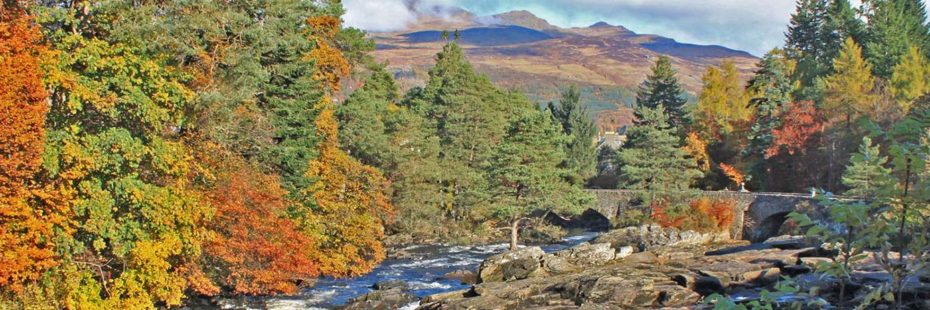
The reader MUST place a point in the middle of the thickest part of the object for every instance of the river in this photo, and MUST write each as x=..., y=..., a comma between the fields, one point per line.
x=424, y=273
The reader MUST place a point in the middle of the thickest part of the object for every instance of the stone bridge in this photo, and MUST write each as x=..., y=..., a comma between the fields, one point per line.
x=759, y=216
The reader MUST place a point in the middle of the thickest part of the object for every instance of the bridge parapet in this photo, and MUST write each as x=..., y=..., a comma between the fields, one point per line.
x=758, y=216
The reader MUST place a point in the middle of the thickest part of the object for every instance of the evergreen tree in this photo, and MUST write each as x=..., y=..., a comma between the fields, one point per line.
x=910, y=79
x=581, y=155
x=527, y=173
x=850, y=90
x=653, y=159
x=809, y=43
x=469, y=116
x=866, y=174
x=661, y=88
x=895, y=26
x=363, y=132
x=770, y=92
x=842, y=23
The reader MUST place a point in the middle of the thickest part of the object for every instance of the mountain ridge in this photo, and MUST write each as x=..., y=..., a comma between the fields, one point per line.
x=521, y=51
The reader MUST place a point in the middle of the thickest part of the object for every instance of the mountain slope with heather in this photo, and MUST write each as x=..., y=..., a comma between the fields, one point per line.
x=521, y=51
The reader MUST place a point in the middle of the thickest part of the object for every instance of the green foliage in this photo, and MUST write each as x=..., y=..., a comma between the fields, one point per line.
x=851, y=89
x=894, y=26
x=662, y=89
x=653, y=159
x=526, y=171
x=577, y=125
x=770, y=92
x=362, y=118
x=867, y=175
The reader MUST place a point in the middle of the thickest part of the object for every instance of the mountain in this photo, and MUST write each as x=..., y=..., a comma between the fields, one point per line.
x=521, y=51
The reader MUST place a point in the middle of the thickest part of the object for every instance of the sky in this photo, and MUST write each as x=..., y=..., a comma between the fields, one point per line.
x=755, y=26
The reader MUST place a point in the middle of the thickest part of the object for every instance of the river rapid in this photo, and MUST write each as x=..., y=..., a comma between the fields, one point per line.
x=423, y=271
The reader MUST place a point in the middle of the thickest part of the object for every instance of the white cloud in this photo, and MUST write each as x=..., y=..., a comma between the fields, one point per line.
x=377, y=15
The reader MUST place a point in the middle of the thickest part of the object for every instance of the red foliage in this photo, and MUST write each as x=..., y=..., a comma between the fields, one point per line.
x=662, y=217
x=702, y=215
x=25, y=231
x=798, y=130
x=259, y=250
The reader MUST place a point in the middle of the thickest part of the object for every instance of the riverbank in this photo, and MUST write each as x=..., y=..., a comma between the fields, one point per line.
x=426, y=269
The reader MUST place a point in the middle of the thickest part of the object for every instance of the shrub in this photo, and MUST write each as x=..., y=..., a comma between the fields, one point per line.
x=701, y=215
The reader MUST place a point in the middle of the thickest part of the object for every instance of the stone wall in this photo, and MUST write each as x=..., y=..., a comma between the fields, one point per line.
x=757, y=213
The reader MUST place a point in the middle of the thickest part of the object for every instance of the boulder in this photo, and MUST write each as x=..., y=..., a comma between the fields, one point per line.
x=587, y=254
x=393, y=298
x=623, y=251
x=511, y=265
x=652, y=236
x=463, y=276
x=390, y=284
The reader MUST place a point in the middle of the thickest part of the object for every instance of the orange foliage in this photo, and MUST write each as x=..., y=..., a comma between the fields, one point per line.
x=331, y=64
x=257, y=248
x=351, y=204
x=662, y=217
x=702, y=215
x=25, y=245
x=734, y=174
x=721, y=211
x=799, y=127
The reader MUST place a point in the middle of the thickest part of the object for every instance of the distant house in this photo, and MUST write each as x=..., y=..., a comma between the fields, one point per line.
x=613, y=138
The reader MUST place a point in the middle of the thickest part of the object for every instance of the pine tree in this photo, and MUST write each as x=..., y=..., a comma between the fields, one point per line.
x=527, y=171
x=910, y=79
x=653, y=159
x=809, y=43
x=895, y=26
x=866, y=174
x=578, y=126
x=661, y=88
x=363, y=131
x=842, y=23
x=770, y=92
x=850, y=90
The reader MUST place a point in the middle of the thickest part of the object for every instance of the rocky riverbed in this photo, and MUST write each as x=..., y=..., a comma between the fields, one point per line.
x=633, y=268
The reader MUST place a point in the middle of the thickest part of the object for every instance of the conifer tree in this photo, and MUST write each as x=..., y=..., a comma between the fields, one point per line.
x=653, y=159
x=722, y=103
x=866, y=174
x=363, y=115
x=894, y=26
x=770, y=92
x=842, y=23
x=850, y=90
x=581, y=157
x=527, y=172
x=910, y=79
x=808, y=44
x=661, y=88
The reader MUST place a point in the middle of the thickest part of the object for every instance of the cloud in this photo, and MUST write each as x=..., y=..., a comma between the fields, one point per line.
x=378, y=15
x=754, y=26
x=391, y=15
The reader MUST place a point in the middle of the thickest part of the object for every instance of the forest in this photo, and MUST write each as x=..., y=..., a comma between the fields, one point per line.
x=157, y=150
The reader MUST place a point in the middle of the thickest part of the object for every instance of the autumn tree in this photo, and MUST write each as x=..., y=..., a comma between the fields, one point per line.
x=910, y=79
x=25, y=229
x=255, y=248
x=796, y=165
x=661, y=88
x=722, y=117
x=851, y=89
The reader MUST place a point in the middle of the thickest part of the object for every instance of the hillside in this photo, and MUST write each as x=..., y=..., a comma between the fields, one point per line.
x=521, y=51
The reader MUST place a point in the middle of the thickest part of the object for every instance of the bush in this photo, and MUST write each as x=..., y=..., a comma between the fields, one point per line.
x=701, y=215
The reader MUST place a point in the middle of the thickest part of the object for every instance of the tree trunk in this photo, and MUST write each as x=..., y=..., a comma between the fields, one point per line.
x=514, y=233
